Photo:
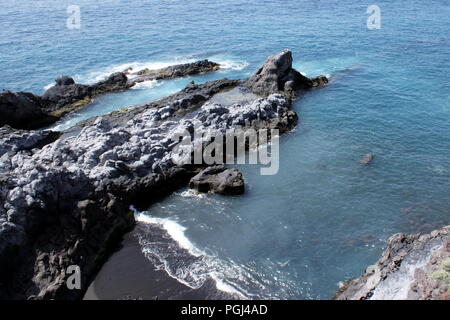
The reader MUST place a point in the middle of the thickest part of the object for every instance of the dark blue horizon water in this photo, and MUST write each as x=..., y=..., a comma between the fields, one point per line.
x=323, y=218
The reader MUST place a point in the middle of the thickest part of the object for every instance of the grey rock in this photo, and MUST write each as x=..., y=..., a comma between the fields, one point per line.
x=218, y=179
x=405, y=270
x=14, y=140
x=277, y=75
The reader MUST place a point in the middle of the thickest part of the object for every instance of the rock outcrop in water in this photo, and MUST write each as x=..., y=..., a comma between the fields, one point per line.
x=179, y=70
x=218, y=179
x=23, y=110
x=413, y=267
x=66, y=202
x=278, y=75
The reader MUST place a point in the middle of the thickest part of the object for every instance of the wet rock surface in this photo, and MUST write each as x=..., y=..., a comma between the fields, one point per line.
x=411, y=267
x=68, y=202
x=218, y=179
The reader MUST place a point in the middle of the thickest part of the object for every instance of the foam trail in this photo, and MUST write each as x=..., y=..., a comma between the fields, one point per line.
x=175, y=230
x=146, y=84
x=232, y=65
x=192, y=269
x=327, y=66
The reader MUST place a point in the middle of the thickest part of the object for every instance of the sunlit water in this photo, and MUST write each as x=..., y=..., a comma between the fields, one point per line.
x=324, y=217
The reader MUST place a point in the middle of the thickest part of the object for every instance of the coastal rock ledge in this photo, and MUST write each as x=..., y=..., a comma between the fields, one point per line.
x=412, y=267
x=65, y=197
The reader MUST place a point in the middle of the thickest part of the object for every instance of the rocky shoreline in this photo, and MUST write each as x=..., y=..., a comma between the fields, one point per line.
x=412, y=267
x=25, y=110
x=66, y=196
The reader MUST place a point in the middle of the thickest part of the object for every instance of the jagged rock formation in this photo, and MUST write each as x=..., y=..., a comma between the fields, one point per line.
x=23, y=110
x=218, y=179
x=67, y=203
x=277, y=75
x=413, y=267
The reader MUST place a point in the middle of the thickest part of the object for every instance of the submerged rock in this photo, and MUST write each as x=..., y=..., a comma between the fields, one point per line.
x=411, y=267
x=367, y=159
x=218, y=179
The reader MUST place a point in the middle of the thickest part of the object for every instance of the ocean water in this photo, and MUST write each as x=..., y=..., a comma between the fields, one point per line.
x=324, y=217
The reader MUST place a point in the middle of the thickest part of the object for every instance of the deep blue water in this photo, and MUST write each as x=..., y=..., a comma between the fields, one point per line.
x=323, y=218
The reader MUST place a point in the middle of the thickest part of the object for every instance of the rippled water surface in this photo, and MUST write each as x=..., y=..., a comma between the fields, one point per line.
x=323, y=217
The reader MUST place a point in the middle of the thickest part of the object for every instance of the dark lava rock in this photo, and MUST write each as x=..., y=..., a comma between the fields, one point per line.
x=22, y=110
x=218, y=179
x=115, y=82
x=64, y=93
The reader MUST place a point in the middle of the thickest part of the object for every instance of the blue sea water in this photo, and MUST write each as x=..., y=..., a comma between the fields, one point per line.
x=323, y=218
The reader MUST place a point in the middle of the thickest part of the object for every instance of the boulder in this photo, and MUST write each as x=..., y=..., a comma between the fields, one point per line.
x=218, y=179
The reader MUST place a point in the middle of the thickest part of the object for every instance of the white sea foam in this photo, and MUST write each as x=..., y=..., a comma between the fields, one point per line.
x=191, y=193
x=231, y=64
x=146, y=84
x=48, y=86
x=199, y=266
x=175, y=231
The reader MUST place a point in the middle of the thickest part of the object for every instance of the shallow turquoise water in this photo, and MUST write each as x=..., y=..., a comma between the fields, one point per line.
x=323, y=217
